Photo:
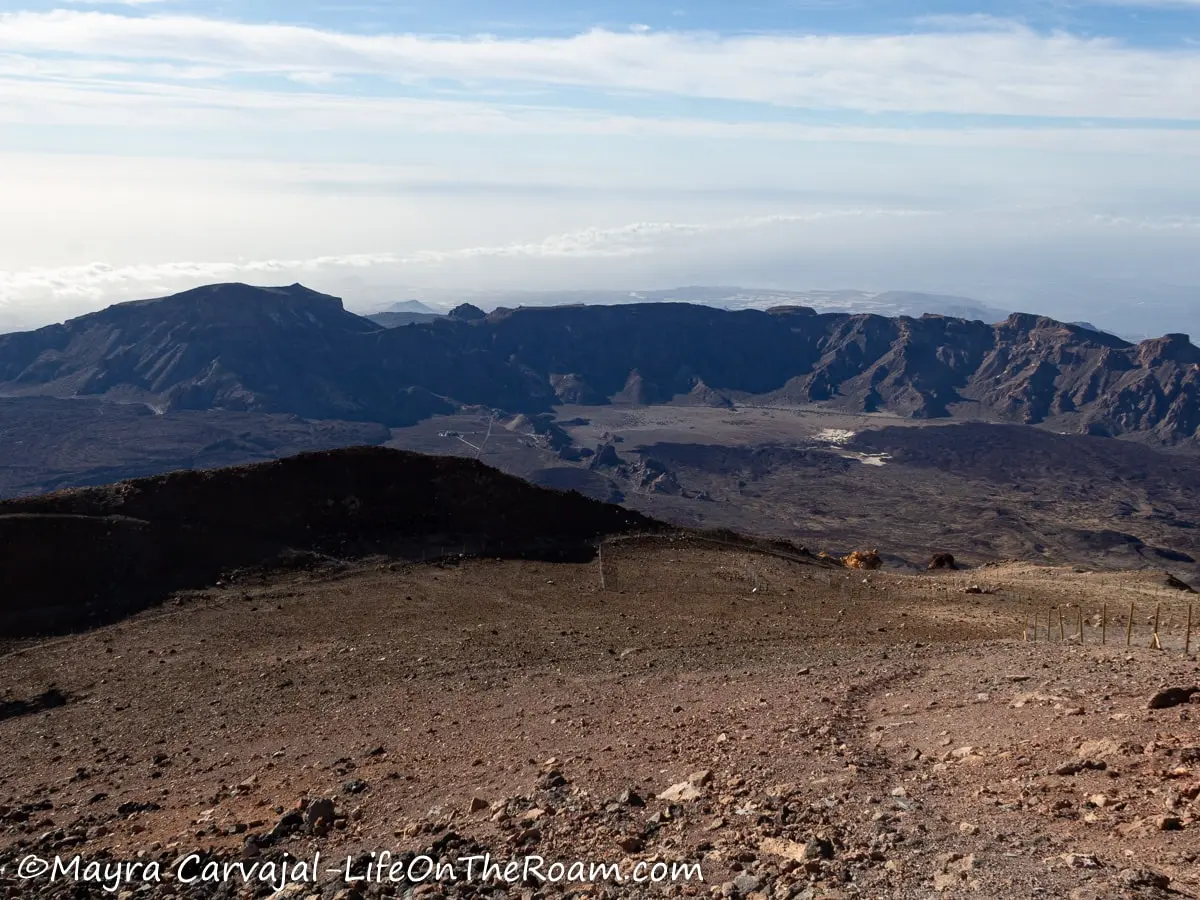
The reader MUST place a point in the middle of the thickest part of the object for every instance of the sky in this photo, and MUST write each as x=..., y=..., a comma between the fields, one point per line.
x=1036, y=155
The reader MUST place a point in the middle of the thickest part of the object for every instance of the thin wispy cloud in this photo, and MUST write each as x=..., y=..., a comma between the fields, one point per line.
x=191, y=107
x=1159, y=223
x=1012, y=71
x=625, y=240
x=24, y=292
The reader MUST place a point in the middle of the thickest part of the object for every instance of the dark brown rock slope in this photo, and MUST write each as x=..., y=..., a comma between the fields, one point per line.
x=75, y=558
x=229, y=346
x=291, y=350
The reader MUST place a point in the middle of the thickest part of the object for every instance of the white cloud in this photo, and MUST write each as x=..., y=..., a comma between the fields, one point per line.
x=639, y=237
x=83, y=71
x=188, y=107
x=315, y=79
x=35, y=296
x=1150, y=223
x=1010, y=70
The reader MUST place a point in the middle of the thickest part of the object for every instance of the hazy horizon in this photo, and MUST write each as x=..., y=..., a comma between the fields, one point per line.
x=1135, y=324
x=1028, y=156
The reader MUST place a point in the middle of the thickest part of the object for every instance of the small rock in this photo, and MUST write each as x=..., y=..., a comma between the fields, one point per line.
x=941, y=561
x=944, y=881
x=631, y=798
x=286, y=826
x=1103, y=747
x=1168, y=823
x=1075, y=766
x=819, y=848
x=1143, y=878
x=1169, y=697
x=745, y=884
x=680, y=793
x=960, y=865
x=319, y=814
x=134, y=806
x=785, y=849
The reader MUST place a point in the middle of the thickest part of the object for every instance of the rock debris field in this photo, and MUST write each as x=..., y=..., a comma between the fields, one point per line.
x=793, y=730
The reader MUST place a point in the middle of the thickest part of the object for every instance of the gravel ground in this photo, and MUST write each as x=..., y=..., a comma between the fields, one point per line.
x=791, y=730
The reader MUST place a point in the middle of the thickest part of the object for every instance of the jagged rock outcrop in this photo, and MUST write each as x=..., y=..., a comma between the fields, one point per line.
x=941, y=561
x=292, y=350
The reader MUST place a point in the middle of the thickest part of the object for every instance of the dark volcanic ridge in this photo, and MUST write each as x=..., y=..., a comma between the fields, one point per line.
x=51, y=444
x=77, y=558
x=292, y=350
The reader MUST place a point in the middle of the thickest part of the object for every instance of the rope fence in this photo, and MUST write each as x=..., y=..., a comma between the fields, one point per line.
x=1134, y=627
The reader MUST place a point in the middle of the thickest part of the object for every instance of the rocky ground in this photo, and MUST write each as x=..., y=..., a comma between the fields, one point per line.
x=792, y=730
x=834, y=481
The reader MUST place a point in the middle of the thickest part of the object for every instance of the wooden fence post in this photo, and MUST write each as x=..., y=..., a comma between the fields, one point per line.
x=1104, y=624
x=1061, y=630
x=1129, y=626
x=1157, y=608
x=1187, y=640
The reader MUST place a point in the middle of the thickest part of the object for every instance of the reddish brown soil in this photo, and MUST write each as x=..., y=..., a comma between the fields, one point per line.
x=828, y=706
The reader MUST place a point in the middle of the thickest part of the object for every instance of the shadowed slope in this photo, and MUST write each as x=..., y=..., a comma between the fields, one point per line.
x=77, y=557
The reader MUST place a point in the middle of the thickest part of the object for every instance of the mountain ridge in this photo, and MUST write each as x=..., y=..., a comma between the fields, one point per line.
x=730, y=297
x=292, y=350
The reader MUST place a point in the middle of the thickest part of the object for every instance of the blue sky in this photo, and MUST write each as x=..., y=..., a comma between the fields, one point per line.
x=373, y=149
x=1150, y=23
